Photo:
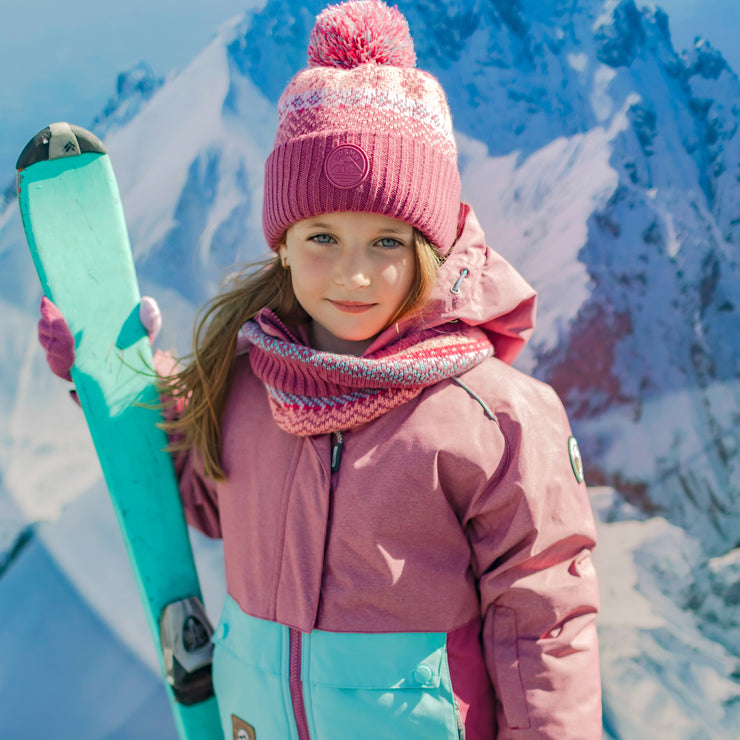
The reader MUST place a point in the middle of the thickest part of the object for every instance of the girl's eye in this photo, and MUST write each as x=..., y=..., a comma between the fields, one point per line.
x=389, y=243
x=322, y=239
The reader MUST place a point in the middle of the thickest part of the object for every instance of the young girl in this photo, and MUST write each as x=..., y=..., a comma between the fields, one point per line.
x=405, y=525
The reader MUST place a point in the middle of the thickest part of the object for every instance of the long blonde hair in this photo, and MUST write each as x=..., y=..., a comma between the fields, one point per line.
x=202, y=382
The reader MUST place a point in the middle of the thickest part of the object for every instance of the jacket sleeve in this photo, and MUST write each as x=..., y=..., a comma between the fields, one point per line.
x=198, y=493
x=531, y=532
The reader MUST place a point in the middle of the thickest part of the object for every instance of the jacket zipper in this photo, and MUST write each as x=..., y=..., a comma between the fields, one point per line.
x=296, y=687
x=459, y=719
x=336, y=452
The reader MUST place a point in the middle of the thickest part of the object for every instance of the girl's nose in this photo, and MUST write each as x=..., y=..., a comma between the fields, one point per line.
x=353, y=272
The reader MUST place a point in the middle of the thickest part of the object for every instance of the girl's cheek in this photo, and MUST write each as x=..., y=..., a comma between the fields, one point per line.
x=398, y=271
x=315, y=259
x=311, y=273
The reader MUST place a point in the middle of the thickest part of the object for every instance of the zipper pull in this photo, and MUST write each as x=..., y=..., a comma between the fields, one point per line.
x=336, y=452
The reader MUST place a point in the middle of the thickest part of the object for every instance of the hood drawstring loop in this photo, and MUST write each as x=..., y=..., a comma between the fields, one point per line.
x=463, y=274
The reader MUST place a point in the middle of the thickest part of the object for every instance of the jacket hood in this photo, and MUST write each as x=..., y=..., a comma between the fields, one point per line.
x=477, y=286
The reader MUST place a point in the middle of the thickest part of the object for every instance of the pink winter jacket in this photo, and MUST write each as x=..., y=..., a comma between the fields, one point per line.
x=457, y=512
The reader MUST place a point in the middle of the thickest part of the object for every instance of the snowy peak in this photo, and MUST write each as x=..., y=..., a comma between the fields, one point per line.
x=134, y=88
x=619, y=33
x=270, y=45
x=704, y=60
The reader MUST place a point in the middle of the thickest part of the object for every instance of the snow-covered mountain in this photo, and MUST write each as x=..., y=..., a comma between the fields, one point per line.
x=134, y=88
x=606, y=166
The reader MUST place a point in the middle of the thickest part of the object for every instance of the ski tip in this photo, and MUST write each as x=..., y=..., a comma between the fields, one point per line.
x=56, y=141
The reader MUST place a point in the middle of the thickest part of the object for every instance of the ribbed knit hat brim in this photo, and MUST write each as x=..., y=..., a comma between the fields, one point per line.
x=405, y=179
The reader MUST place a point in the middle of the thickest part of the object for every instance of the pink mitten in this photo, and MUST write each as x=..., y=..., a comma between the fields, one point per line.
x=150, y=316
x=56, y=339
x=59, y=344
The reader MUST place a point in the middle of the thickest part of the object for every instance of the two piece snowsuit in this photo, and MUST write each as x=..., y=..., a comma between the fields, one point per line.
x=438, y=584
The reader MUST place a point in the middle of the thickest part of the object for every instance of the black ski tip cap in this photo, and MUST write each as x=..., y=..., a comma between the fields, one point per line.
x=56, y=141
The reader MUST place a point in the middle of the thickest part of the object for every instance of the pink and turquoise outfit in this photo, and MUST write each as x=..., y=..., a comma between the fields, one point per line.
x=407, y=540
x=435, y=583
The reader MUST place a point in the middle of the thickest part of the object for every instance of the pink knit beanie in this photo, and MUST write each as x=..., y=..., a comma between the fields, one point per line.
x=361, y=129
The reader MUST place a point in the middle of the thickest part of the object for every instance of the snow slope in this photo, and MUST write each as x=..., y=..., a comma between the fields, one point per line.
x=665, y=675
x=65, y=674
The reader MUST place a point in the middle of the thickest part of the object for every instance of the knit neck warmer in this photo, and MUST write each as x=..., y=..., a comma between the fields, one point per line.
x=314, y=392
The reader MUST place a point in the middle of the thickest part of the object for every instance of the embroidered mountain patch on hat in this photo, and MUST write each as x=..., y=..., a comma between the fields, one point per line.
x=346, y=166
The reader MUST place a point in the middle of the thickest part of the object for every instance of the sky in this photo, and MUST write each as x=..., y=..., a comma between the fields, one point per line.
x=60, y=60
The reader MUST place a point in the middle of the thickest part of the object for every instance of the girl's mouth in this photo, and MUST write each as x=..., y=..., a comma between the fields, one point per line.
x=351, y=306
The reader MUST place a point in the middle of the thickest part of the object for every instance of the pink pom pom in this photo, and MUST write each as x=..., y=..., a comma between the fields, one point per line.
x=360, y=32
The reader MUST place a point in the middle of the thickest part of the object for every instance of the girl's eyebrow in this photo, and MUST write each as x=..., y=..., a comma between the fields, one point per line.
x=392, y=230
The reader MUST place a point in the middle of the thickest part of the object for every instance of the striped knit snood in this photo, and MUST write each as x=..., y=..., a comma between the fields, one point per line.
x=313, y=392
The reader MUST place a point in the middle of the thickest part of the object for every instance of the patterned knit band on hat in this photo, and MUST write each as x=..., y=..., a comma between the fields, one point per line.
x=362, y=129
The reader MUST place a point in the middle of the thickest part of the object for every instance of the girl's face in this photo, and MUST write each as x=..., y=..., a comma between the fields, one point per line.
x=350, y=272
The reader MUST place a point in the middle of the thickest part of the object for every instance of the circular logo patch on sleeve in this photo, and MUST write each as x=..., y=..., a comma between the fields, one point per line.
x=576, y=461
x=346, y=166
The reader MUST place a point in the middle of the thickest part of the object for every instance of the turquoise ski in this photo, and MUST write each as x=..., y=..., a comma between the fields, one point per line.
x=75, y=228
